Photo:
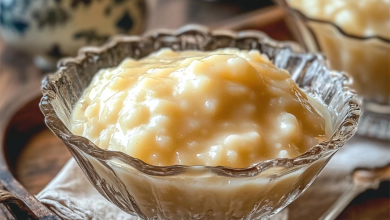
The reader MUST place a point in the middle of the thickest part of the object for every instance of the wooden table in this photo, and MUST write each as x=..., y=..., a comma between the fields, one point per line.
x=43, y=155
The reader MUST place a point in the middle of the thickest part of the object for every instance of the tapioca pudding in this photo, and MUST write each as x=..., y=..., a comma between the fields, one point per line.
x=221, y=108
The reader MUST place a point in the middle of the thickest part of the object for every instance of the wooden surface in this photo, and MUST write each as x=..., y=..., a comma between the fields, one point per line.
x=39, y=153
x=35, y=171
x=42, y=155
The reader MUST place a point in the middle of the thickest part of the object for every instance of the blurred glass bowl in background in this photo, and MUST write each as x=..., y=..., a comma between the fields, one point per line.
x=365, y=58
x=199, y=192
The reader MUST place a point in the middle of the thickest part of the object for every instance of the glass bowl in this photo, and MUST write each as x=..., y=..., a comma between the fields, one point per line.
x=366, y=59
x=199, y=192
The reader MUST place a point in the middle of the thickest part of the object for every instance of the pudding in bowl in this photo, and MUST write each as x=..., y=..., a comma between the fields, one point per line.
x=201, y=189
x=221, y=108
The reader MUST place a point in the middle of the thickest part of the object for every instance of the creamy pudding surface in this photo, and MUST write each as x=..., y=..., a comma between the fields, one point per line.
x=220, y=108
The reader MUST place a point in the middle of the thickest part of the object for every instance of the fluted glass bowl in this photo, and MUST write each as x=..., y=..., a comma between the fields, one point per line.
x=365, y=59
x=199, y=192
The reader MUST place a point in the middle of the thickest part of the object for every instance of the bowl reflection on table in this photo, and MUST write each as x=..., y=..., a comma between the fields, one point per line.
x=365, y=59
x=199, y=192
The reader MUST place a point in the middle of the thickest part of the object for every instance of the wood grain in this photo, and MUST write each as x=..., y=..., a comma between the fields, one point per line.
x=16, y=205
x=41, y=159
x=34, y=154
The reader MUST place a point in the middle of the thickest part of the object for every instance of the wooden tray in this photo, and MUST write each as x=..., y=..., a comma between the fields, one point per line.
x=25, y=172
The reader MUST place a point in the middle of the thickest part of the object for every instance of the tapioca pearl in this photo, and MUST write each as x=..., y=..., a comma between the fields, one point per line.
x=242, y=143
x=78, y=128
x=145, y=81
x=240, y=71
x=211, y=106
x=183, y=88
x=159, y=121
x=214, y=155
x=136, y=94
x=106, y=135
x=309, y=141
x=163, y=107
x=164, y=142
x=118, y=140
x=92, y=110
x=94, y=128
x=256, y=57
x=195, y=67
x=134, y=74
x=288, y=128
x=79, y=108
x=236, y=89
x=204, y=85
x=134, y=117
x=119, y=84
x=232, y=157
x=151, y=71
x=163, y=91
x=110, y=112
x=195, y=87
x=283, y=154
x=193, y=124
x=213, y=61
x=277, y=102
x=141, y=138
x=108, y=76
x=184, y=105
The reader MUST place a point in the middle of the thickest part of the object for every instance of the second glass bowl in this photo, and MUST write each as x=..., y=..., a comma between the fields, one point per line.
x=366, y=59
x=199, y=192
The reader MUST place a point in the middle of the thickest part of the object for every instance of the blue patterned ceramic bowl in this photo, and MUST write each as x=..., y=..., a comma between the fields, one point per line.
x=51, y=29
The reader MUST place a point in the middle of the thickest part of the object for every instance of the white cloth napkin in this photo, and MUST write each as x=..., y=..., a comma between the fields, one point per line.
x=71, y=196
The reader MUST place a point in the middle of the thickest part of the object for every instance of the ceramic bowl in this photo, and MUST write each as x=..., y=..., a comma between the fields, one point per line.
x=51, y=29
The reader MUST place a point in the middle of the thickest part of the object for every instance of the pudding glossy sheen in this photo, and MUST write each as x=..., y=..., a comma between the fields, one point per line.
x=220, y=108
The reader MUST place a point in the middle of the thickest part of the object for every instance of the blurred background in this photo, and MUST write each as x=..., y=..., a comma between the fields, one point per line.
x=34, y=35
